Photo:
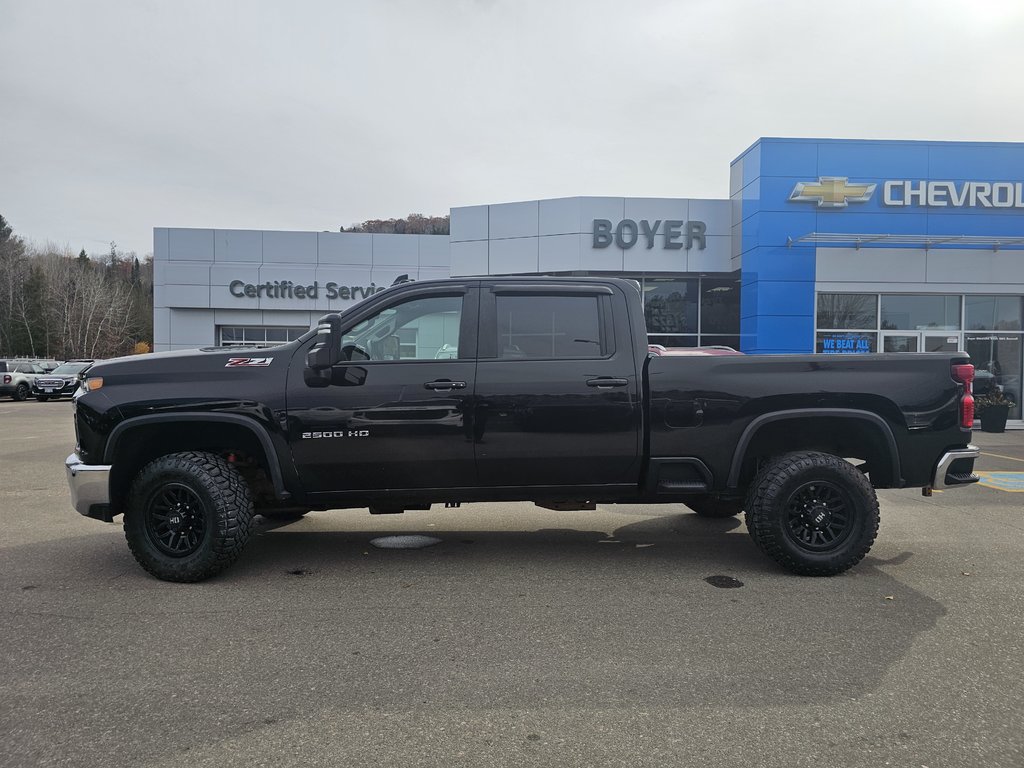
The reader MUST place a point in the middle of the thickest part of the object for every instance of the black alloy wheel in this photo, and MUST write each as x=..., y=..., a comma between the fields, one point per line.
x=813, y=513
x=21, y=392
x=818, y=516
x=188, y=516
x=176, y=520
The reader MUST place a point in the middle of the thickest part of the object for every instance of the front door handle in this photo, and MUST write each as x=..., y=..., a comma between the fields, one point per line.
x=444, y=385
x=606, y=382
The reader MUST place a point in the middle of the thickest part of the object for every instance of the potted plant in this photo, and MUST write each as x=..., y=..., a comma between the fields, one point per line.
x=993, y=408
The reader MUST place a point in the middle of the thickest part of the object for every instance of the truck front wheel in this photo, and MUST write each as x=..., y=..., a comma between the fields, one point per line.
x=813, y=513
x=188, y=516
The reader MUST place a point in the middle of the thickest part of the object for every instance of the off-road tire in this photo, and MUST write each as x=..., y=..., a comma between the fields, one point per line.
x=708, y=506
x=222, y=507
x=21, y=392
x=790, y=494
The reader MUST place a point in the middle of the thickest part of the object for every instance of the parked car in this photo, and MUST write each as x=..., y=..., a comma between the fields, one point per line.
x=63, y=381
x=17, y=377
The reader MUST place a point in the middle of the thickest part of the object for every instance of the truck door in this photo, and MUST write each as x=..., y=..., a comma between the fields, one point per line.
x=394, y=415
x=558, y=400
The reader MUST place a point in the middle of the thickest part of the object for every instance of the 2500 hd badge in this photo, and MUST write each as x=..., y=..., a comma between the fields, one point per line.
x=336, y=433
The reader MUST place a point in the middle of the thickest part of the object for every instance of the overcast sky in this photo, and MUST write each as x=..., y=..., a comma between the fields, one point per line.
x=117, y=117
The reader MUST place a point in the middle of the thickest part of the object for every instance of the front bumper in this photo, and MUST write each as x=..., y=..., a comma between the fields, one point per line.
x=54, y=390
x=956, y=468
x=90, y=487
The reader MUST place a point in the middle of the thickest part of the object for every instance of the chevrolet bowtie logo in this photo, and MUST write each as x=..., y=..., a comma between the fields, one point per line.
x=832, y=192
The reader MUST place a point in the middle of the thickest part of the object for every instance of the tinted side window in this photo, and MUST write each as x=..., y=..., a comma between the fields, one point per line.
x=419, y=329
x=549, y=327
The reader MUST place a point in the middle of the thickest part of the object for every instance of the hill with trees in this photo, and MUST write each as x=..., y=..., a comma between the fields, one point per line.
x=413, y=224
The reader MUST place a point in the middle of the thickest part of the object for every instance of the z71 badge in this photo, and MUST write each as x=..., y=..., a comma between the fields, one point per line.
x=248, y=362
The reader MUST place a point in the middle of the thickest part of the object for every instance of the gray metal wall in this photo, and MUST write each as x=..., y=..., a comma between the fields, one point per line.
x=193, y=269
x=557, y=236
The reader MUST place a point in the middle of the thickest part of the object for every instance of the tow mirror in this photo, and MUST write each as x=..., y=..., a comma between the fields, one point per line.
x=326, y=352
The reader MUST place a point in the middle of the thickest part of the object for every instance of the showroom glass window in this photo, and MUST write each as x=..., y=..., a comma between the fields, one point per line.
x=847, y=323
x=907, y=312
x=670, y=311
x=670, y=306
x=994, y=341
x=257, y=336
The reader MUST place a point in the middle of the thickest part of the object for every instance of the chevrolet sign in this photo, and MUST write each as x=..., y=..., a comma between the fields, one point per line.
x=832, y=192
x=950, y=194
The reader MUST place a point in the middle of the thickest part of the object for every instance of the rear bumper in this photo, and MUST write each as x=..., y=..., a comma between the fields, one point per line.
x=90, y=487
x=956, y=468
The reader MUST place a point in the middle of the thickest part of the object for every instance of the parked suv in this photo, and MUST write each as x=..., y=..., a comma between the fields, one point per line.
x=63, y=381
x=17, y=377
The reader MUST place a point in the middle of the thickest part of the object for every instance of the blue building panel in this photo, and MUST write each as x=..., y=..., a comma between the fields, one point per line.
x=989, y=224
x=894, y=160
x=780, y=263
x=978, y=162
x=783, y=298
x=751, y=164
x=788, y=158
x=750, y=196
x=907, y=222
x=767, y=334
x=778, y=228
x=935, y=188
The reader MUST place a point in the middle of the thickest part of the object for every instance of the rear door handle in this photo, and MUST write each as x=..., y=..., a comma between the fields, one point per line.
x=607, y=382
x=444, y=385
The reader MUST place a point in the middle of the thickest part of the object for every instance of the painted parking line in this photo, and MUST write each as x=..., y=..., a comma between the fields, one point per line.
x=1013, y=482
x=1000, y=456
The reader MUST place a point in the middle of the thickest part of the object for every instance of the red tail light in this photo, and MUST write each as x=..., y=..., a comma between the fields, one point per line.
x=965, y=375
x=7, y=379
x=967, y=411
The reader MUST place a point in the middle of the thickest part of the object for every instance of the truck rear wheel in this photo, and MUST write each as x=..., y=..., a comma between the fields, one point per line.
x=188, y=516
x=708, y=506
x=813, y=513
x=21, y=392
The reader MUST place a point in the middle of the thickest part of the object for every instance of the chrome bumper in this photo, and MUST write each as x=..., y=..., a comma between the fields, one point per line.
x=90, y=487
x=943, y=479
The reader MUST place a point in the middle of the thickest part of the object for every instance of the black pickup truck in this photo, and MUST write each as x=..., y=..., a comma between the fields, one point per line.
x=526, y=389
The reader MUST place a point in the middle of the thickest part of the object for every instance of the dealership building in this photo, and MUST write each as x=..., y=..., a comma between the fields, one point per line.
x=824, y=245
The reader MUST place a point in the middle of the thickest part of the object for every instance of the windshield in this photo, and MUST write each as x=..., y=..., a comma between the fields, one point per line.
x=68, y=369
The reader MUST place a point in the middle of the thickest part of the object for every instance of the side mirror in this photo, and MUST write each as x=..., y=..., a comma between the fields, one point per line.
x=326, y=352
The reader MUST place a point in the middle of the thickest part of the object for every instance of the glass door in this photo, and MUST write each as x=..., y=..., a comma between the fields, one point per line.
x=941, y=342
x=901, y=341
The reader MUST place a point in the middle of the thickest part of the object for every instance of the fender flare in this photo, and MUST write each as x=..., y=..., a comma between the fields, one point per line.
x=873, y=419
x=261, y=434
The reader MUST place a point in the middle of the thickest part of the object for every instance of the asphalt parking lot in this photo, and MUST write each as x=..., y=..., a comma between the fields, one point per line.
x=527, y=637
